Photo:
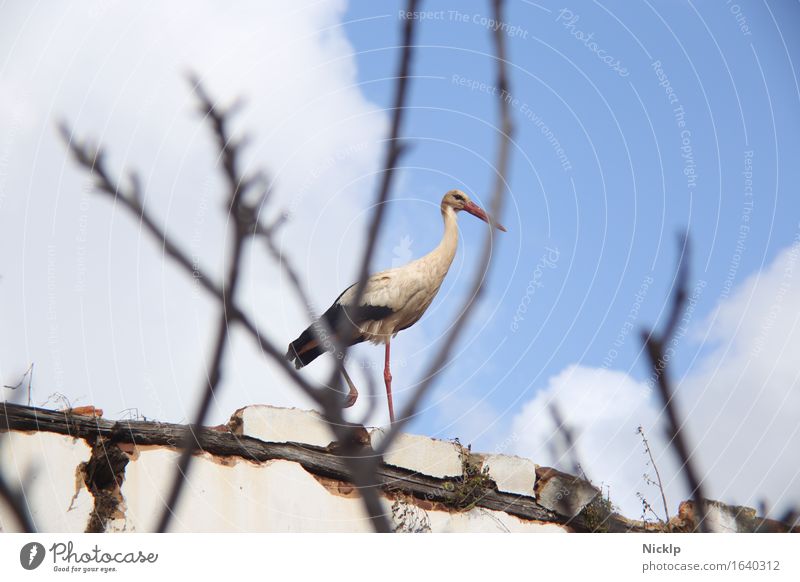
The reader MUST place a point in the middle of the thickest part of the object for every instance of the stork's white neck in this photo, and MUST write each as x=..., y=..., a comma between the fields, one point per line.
x=442, y=256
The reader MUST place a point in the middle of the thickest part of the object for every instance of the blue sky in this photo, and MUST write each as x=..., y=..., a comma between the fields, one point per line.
x=691, y=124
x=633, y=122
x=615, y=213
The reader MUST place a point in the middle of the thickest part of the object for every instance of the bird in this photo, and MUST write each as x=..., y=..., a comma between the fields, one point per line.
x=392, y=300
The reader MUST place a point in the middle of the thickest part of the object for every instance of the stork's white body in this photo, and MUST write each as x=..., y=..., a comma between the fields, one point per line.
x=408, y=290
x=392, y=300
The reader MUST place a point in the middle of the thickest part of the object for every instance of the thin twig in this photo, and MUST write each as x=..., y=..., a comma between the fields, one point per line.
x=330, y=401
x=363, y=466
x=319, y=325
x=372, y=395
x=500, y=185
x=394, y=149
x=131, y=201
x=246, y=225
x=655, y=350
x=647, y=507
x=29, y=375
x=236, y=186
x=646, y=443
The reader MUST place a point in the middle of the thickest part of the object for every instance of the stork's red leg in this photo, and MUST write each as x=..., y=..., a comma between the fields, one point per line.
x=387, y=378
x=352, y=396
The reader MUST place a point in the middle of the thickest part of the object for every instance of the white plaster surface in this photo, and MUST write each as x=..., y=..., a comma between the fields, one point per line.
x=45, y=464
x=236, y=495
x=422, y=454
x=277, y=496
x=409, y=518
x=281, y=425
x=512, y=474
x=480, y=520
x=720, y=519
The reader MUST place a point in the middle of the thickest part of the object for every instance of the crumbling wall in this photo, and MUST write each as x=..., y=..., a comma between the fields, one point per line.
x=276, y=470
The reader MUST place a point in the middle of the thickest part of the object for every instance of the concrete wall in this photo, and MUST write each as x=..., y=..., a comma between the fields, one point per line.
x=236, y=495
x=70, y=486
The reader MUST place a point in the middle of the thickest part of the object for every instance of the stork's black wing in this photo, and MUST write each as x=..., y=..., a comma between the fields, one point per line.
x=315, y=340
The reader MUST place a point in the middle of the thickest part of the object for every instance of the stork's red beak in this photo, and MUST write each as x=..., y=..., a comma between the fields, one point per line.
x=476, y=210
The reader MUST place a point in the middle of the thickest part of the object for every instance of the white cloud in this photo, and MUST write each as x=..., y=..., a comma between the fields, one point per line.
x=87, y=296
x=603, y=408
x=741, y=403
x=744, y=399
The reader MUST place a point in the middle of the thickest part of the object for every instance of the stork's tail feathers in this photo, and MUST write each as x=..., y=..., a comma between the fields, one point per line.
x=305, y=349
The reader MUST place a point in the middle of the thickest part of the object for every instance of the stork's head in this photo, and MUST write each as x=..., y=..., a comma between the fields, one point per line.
x=457, y=200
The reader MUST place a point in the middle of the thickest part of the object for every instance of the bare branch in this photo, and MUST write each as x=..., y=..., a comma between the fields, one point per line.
x=363, y=465
x=245, y=225
x=131, y=201
x=372, y=392
x=14, y=497
x=16, y=502
x=569, y=442
x=394, y=150
x=655, y=350
x=229, y=154
x=791, y=517
x=361, y=468
x=500, y=185
x=320, y=326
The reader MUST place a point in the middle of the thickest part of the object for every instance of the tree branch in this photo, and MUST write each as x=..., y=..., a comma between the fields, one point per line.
x=500, y=185
x=394, y=149
x=14, y=497
x=228, y=155
x=246, y=225
x=655, y=350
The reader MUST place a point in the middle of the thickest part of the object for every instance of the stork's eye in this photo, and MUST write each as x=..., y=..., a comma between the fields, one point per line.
x=458, y=197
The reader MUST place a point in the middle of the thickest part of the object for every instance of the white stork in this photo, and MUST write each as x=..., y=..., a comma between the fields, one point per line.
x=392, y=300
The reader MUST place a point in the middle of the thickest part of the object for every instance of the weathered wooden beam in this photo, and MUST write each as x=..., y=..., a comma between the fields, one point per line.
x=325, y=462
